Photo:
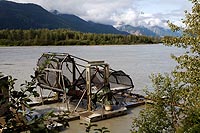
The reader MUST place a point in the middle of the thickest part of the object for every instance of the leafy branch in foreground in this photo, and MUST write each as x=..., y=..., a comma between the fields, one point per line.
x=176, y=97
x=163, y=114
x=20, y=117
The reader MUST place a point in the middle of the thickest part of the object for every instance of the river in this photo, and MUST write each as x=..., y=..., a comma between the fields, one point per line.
x=139, y=61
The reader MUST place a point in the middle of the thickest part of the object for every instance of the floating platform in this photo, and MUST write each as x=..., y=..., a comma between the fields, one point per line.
x=102, y=114
x=81, y=113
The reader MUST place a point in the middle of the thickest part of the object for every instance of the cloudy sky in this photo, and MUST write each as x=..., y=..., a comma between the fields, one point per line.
x=115, y=12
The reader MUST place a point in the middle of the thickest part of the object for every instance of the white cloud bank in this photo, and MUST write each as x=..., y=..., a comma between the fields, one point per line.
x=116, y=12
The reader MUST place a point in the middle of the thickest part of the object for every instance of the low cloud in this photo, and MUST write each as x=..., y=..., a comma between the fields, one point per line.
x=111, y=12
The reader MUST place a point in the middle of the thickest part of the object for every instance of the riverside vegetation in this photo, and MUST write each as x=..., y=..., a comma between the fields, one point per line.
x=41, y=37
x=176, y=96
x=20, y=118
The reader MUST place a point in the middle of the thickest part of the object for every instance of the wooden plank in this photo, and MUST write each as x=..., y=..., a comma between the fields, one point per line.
x=97, y=115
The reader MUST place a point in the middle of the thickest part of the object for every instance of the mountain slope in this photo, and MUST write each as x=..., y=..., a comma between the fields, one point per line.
x=26, y=16
x=31, y=16
x=79, y=24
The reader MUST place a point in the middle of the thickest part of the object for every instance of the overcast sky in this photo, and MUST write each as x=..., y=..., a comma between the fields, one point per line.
x=114, y=12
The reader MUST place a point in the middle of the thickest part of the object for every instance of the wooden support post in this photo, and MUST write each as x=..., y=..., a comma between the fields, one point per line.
x=88, y=79
x=73, y=71
x=88, y=87
x=106, y=77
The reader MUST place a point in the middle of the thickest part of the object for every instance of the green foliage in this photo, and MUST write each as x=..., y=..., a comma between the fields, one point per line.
x=42, y=37
x=176, y=97
x=162, y=115
x=19, y=116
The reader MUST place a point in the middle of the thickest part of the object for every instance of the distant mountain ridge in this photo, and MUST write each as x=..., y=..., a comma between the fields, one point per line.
x=31, y=16
x=148, y=31
x=164, y=32
x=140, y=30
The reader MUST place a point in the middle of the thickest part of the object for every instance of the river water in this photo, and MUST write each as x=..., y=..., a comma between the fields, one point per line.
x=139, y=61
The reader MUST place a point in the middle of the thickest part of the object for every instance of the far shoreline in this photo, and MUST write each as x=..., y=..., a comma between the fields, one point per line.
x=81, y=45
x=63, y=37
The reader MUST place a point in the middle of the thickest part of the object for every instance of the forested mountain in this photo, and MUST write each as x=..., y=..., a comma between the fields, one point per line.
x=31, y=16
x=26, y=16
